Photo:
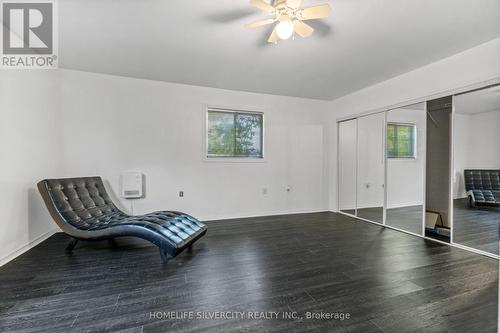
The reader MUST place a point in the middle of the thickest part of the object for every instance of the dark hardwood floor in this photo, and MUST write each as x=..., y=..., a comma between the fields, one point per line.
x=386, y=280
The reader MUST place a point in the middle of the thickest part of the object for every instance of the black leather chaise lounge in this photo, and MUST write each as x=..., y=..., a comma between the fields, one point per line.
x=483, y=187
x=83, y=209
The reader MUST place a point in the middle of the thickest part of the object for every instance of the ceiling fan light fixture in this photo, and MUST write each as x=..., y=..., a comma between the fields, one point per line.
x=284, y=29
x=291, y=17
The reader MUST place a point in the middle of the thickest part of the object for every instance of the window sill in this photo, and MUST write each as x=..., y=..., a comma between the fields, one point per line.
x=234, y=160
x=402, y=158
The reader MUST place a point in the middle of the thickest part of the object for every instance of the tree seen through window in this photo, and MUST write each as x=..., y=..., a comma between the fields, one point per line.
x=234, y=134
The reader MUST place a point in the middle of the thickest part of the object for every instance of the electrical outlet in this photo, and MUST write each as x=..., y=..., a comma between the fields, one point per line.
x=288, y=188
x=181, y=194
x=264, y=190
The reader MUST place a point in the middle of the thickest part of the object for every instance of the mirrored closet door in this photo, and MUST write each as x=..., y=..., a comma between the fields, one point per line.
x=406, y=133
x=438, y=169
x=371, y=167
x=347, y=166
x=476, y=172
x=431, y=168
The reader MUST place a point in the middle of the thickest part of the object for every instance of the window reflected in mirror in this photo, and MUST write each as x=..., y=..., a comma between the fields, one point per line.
x=401, y=140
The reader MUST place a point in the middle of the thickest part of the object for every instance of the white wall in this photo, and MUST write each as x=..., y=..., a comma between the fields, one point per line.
x=487, y=126
x=29, y=152
x=113, y=124
x=476, y=145
x=473, y=66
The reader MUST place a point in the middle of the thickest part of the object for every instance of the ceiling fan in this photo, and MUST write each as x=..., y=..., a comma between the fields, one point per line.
x=290, y=15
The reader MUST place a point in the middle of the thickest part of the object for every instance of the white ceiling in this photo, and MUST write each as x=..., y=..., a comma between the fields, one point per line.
x=480, y=101
x=203, y=43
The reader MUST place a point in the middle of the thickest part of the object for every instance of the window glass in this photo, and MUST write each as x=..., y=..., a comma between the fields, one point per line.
x=234, y=134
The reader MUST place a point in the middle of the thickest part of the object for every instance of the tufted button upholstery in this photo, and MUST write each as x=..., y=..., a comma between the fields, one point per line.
x=483, y=186
x=84, y=210
x=80, y=199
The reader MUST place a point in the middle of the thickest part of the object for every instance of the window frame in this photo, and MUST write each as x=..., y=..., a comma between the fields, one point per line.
x=415, y=140
x=231, y=158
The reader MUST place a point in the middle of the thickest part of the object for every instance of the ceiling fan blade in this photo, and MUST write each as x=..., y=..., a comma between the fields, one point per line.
x=259, y=23
x=302, y=29
x=294, y=3
x=274, y=37
x=262, y=5
x=316, y=12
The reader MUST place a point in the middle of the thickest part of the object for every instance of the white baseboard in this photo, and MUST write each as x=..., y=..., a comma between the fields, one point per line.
x=23, y=248
x=263, y=214
x=404, y=204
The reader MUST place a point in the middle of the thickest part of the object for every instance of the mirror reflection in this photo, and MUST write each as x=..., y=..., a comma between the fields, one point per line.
x=405, y=144
x=347, y=166
x=476, y=204
x=371, y=164
x=438, y=169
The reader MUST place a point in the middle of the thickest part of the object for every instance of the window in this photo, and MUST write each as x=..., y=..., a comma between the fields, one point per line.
x=401, y=140
x=234, y=134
